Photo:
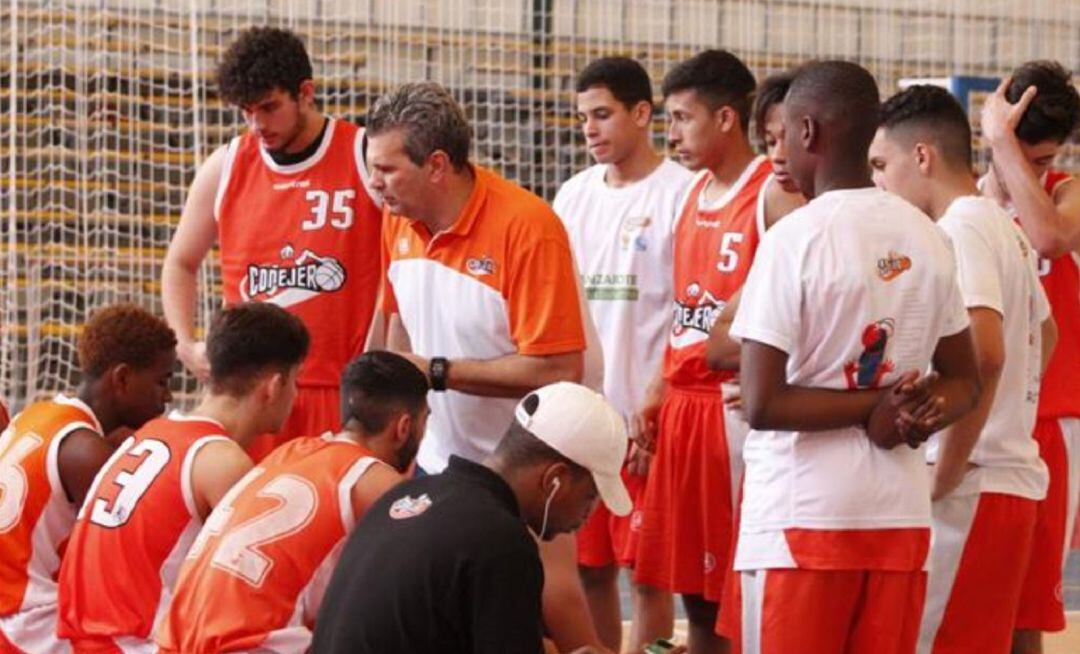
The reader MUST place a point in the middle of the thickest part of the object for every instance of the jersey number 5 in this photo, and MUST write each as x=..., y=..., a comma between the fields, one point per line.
x=729, y=256
x=342, y=209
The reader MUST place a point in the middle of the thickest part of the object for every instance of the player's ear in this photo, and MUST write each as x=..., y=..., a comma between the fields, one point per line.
x=307, y=92
x=272, y=385
x=402, y=428
x=439, y=165
x=923, y=154
x=120, y=377
x=726, y=118
x=808, y=132
x=642, y=113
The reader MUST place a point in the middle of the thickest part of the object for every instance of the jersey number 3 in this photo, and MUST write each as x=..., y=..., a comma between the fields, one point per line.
x=321, y=209
x=133, y=484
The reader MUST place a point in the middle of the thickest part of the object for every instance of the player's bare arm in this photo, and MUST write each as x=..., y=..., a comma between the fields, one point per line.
x=644, y=422
x=722, y=351
x=1049, y=342
x=564, y=599
x=375, y=481
x=194, y=237
x=513, y=375
x=955, y=389
x=957, y=442
x=771, y=403
x=218, y=466
x=81, y=455
x=397, y=339
x=1052, y=224
x=779, y=203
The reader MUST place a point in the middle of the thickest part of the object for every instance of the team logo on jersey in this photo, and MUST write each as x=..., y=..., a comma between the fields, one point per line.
x=872, y=365
x=407, y=507
x=632, y=232
x=709, y=564
x=695, y=313
x=892, y=266
x=295, y=279
x=480, y=266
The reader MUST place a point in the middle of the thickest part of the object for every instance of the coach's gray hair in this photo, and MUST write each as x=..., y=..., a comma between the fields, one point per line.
x=430, y=118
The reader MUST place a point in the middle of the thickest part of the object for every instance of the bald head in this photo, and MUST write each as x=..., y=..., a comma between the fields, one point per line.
x=831, y=114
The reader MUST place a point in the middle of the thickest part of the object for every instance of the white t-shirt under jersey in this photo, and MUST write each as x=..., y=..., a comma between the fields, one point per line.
x=622, y=241
x=856, y=287
x=996, y=269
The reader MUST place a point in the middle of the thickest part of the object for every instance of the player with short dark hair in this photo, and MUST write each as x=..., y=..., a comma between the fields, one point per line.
x=684, y=543
x=52, y=450
x=1026, y=122
x=988, y=476
x=150, y=500
x=620, y=214
x=849, y=299
x=229, y=600
x=288, y=204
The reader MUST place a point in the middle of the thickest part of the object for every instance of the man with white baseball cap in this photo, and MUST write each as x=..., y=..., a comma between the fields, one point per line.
x=449, y=563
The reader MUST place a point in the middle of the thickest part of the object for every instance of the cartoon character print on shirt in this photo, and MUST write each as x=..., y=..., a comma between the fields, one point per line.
x=873, y=364
x=294, y=279
x=696, y=309
x=632, y=233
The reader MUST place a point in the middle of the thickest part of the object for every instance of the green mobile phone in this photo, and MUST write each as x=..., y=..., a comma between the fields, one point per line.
x=659, y=646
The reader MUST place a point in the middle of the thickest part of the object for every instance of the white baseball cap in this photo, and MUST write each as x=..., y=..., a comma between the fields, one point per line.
x=578, y=423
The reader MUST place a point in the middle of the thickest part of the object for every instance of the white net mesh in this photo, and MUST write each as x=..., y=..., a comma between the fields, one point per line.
x=110, y=105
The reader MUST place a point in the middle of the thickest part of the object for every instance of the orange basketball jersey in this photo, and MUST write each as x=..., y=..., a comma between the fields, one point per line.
x=714, y=247
x=1059, y=393
x=305, y=237
x=35, y=513
x=256, y=574
x=131, y=535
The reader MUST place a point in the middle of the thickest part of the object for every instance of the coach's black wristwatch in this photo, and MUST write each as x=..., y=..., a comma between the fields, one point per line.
x=438, y=369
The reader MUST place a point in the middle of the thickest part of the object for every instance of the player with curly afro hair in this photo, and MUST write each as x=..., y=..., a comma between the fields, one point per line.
x=56, y=447
x=261, y=60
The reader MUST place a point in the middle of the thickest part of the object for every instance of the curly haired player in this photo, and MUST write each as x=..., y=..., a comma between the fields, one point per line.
x=288, y=204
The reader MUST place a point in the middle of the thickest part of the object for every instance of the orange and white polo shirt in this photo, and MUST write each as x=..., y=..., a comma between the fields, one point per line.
x=499, y=281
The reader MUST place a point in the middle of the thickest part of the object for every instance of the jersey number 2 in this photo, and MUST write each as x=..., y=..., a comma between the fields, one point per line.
x=238, y=550
x=320, y=214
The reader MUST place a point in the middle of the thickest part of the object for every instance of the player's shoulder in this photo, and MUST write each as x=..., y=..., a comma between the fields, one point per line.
x=523, y=215
x=581, y=182
x=975, y=215
x=179, y=428
x=672, y=179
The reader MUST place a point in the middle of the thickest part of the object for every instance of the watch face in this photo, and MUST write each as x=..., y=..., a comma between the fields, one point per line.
x=437, y=371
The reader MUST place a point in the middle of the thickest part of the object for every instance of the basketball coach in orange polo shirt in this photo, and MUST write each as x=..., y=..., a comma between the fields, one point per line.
x=480, y=287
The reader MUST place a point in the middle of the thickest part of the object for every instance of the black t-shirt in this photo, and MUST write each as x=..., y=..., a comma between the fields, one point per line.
x=441, y=564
